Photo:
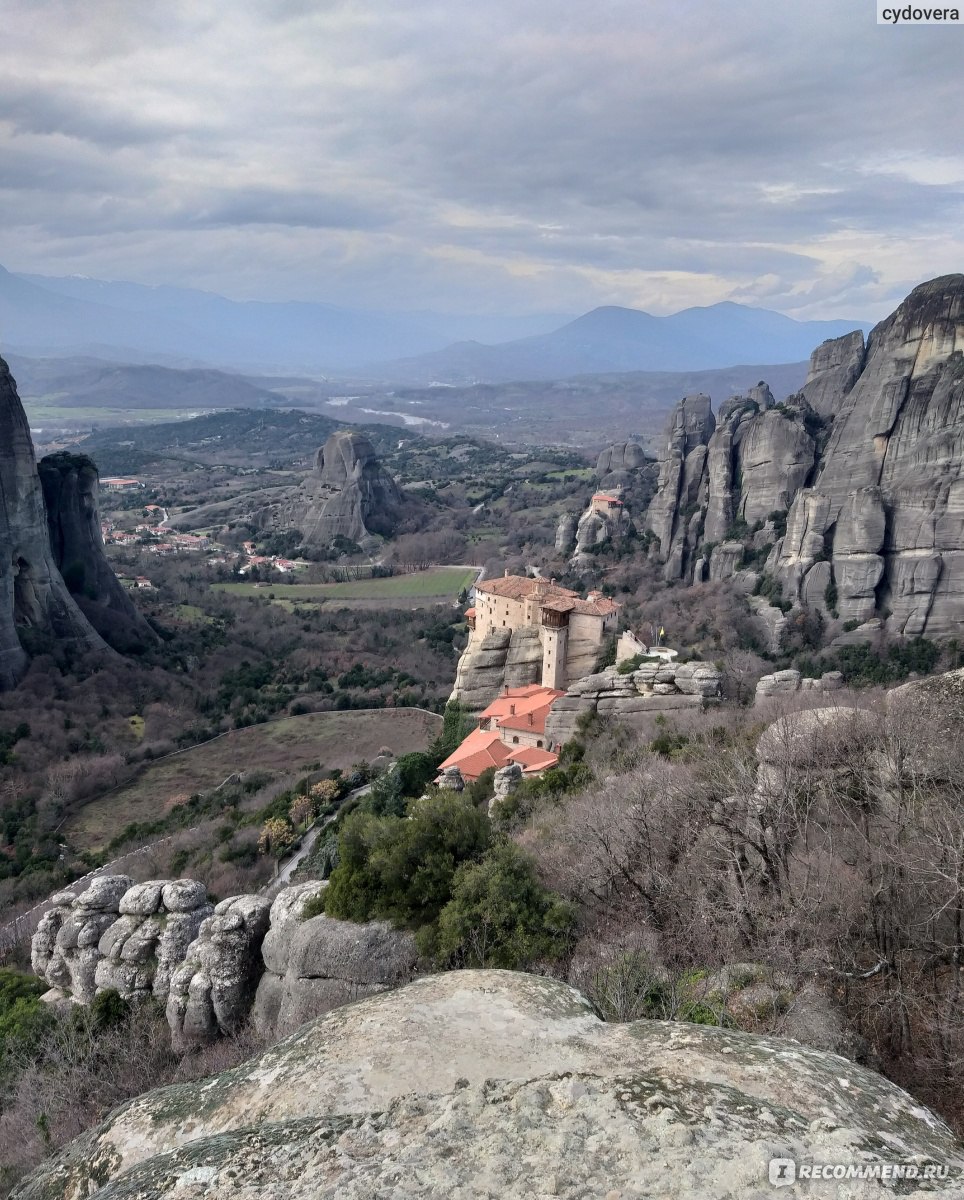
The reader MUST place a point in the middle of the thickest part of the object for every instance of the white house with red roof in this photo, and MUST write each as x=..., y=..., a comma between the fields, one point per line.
x=511, y=730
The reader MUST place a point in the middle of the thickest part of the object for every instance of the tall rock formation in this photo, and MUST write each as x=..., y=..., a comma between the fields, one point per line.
x=34, y=600
x=349, y=494
x=868, y=460
x=70, y=485
x=721, y=476
x=886, y=509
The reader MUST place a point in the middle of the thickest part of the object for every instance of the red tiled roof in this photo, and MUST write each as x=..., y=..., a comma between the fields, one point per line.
x=609, y=499
x=532, y=761
x=479, y=751
x=521, y=587
x=532, y=701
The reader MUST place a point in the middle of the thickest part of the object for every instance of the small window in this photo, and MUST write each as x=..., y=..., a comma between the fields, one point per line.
x=539, y=743
x=515, y=741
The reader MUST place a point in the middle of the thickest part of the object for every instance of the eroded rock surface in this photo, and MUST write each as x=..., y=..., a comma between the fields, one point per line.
x=212, y=990
x=349, y=494
x=118, y=935
x=34, y=600
x=868, y=460
x=70, y=485
x=315, y=965
x=503, y=1084
x=654, y=687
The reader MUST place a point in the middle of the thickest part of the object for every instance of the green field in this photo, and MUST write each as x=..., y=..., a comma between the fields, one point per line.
x=441, y=583
x=334, y=739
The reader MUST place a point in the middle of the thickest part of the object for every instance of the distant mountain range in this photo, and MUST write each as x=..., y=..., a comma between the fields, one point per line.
x=625, y=339
x=181, y=327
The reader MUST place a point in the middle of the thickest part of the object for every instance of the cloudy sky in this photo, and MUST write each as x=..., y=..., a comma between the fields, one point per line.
x=486, y=156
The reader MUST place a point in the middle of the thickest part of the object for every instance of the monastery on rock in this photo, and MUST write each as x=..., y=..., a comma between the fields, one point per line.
x=571, y=630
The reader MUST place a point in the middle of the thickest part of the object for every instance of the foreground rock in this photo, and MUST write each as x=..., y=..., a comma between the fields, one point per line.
x=212, y=991
x=118, y=935
x=489, y=1083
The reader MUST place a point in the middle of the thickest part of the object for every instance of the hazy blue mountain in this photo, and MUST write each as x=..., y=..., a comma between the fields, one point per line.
x=184, y=327
x=75, y=314
x=612, y=339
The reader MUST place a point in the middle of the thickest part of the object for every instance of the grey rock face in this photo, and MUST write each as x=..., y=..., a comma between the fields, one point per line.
x=33, y=595
x=655, y=687
x=834, y=368
x=566, y=532
x=316, y=965
x=212, y=990
x=753, y=461
x=349, y=494
x=504, y=658
x=879, y=515
x=623, y=456
x=119, y=936
x=593, y=531
x=890, y=480
x=70, y=486
x=65, y=950
x=507, y=1083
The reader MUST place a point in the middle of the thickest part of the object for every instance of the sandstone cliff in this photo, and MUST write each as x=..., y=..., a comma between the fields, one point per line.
x=34, y=600
x=500, y=1084
x=70, y=485
x=851, y=491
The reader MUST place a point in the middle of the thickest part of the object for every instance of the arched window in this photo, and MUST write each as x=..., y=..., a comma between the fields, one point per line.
x=515, y=741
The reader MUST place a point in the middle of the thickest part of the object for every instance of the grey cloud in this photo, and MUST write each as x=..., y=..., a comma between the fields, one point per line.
x=648, y=133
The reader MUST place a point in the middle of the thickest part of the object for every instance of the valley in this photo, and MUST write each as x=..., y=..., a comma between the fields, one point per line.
x=517, y=701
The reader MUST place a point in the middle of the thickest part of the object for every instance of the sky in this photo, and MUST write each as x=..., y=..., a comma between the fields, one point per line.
x=485, y=157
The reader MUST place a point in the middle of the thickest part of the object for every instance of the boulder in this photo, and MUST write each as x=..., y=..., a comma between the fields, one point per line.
x=212, y=990
x=504, y=1084
x=504, y=783
x=450, y=780
x=318, y=964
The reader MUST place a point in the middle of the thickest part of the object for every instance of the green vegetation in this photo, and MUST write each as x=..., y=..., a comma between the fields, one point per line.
x=866, y=666
x=24, y=1019
x=436, y=870
x=9, y=739
x=419, y=585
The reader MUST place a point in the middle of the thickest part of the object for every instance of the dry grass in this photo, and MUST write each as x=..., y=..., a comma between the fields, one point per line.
x=334, y=739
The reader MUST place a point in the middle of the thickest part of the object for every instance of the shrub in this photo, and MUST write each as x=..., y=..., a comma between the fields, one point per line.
x=402, y=868
x=277, y=837
x=499, y=915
